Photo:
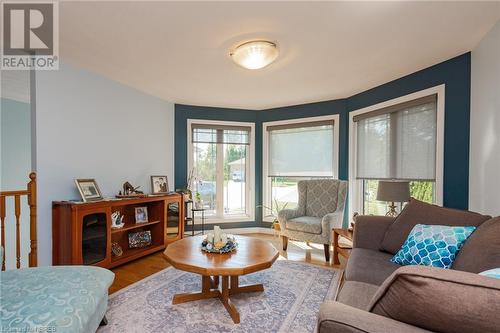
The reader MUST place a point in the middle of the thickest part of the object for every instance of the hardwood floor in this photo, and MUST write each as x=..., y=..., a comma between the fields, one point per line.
x=139, y=269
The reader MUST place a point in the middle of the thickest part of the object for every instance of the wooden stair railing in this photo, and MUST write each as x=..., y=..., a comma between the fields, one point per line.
x=30, y=192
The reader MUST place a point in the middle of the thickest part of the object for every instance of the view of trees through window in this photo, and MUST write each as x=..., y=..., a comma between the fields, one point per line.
x=233, y=186
x=421, y=190
x=284, y=193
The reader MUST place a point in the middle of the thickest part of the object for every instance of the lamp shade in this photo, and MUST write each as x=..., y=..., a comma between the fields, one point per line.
x=393, y=191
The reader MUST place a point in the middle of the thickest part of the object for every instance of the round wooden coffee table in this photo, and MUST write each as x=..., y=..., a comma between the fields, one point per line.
x=252, y=255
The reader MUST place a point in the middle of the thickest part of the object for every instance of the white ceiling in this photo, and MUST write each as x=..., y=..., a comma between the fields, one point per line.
x=178, y=51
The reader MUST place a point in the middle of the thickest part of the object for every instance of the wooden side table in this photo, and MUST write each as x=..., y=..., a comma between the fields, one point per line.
x=343, y=250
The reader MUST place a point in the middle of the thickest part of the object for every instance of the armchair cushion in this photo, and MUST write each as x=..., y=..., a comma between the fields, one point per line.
x=440, y=300
x=309, y=224
x=418, y=212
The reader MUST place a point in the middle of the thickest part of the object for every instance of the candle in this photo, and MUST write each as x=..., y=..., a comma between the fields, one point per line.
x=223, y=238
x=217, y=233
x=210, y=237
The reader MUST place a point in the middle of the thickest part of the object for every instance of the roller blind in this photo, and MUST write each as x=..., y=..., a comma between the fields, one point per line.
x=399, y=143
x=301, y=150
x=220, y=134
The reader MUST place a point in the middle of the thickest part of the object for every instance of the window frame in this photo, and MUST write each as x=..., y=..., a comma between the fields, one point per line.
x=356, y=185
x=250, y=164
x=266, y=181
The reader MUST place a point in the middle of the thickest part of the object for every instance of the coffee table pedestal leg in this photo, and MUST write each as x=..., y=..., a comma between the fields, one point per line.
x=206, y=292
x=209, y=289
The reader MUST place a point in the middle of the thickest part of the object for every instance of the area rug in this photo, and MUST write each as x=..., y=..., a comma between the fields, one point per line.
x=290, y=303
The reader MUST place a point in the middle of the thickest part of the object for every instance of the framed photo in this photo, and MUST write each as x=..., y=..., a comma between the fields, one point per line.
x=88, y=189
x=159, y=184
x=139, y=239
x=141, y=214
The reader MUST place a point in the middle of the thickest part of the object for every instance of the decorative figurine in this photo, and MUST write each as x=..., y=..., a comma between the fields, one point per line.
x=116, y=249
x=117, y=220
x=128, y=189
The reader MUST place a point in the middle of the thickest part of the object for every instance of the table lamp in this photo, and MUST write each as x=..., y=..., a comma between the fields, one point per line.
x=393, y=191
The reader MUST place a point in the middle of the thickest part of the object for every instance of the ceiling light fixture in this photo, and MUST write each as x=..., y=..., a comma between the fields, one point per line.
x=255, y=55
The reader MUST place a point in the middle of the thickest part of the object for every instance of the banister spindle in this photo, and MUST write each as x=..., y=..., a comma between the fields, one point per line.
x=2, y=221
x=17, y=213
x=32, y=203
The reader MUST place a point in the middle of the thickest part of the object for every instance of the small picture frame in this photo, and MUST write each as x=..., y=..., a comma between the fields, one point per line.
x=159, y=184
x=141, y=214
x=139, y=239
x=89, y=191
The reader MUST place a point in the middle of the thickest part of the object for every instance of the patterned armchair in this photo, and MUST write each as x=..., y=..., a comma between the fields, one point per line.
x=320, y=209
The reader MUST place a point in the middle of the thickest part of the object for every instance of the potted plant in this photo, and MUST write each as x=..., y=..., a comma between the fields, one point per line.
x=198, y=203
x=274, y=213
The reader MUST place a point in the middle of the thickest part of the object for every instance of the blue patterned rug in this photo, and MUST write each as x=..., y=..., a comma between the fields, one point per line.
x=290, y=303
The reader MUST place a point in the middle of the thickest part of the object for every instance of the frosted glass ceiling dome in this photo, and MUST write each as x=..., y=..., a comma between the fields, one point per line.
x=255, y=54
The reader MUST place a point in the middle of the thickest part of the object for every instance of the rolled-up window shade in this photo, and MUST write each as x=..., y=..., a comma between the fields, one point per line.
x=400, y=144
x=239, y=135
x=305, y=151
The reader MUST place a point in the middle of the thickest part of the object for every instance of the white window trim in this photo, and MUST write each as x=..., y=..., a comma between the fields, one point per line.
x=266, y=185
x=356, y=186
x=250, y=193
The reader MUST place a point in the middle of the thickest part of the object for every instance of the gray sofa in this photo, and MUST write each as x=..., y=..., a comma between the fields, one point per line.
x=380, y=296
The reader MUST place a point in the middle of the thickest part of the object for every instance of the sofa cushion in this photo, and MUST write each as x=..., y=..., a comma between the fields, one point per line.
x=482, y=250
x=357, y=294
x=369, y=266
x=418, y=212
x=309, y=224
x=440, y=300
x=432, y=245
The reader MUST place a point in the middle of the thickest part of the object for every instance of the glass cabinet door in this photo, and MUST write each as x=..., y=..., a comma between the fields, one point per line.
x=94, y=238
x=173, y=220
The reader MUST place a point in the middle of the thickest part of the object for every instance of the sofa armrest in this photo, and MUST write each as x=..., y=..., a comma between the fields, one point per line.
x=369, y=231
x=440, y=300
x=285, y=215
x=335, y=317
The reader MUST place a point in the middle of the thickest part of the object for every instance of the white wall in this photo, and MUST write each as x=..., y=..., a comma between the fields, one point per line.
x=90, y=127
x=15, y=166
x=484, y=180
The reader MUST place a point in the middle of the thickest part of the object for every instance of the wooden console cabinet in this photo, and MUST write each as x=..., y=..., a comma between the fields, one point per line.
x=82, y=233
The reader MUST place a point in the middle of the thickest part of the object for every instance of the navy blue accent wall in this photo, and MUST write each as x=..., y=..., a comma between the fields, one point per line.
x=454, y=73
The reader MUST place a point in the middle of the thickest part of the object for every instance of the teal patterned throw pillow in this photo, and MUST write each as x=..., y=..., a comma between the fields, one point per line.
x=432, y=245
x=492, y=273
